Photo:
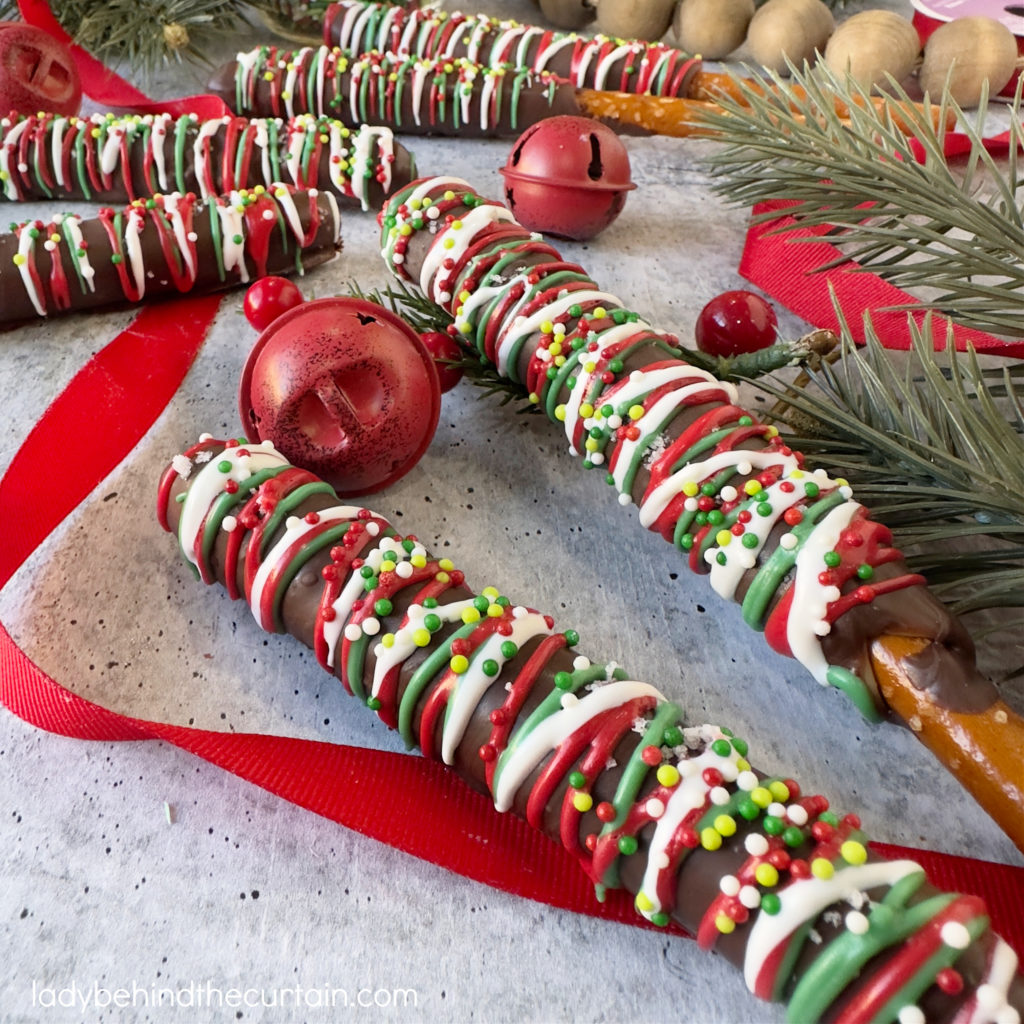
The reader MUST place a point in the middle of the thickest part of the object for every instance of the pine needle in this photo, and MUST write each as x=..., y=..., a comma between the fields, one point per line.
x=931, y=450
x=955, y=233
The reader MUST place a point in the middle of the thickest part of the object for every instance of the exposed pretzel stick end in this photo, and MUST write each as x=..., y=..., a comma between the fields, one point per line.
x=981, y=749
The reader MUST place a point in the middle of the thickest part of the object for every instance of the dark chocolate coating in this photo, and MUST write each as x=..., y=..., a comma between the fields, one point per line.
x=446, y=98
x=190, y=253
x=601, y=62
x=155, y=155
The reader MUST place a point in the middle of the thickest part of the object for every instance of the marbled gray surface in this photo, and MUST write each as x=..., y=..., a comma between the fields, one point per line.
x=241, y=890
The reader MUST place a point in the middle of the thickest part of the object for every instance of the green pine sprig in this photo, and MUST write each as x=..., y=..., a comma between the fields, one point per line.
x=934, y=447
x=878, y=180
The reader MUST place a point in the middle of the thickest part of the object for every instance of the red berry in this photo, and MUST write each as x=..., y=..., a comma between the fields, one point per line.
x=444, y=348
x=268, y=298
x=735, y=322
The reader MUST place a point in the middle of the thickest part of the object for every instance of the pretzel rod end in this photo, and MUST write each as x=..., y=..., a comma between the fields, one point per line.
x=981, y=749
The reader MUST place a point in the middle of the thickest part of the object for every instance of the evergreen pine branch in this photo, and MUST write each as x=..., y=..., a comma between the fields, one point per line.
x=931, y=450
x=917, y=223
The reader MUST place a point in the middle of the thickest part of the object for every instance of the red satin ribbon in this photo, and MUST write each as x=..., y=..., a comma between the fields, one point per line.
x=784, y=265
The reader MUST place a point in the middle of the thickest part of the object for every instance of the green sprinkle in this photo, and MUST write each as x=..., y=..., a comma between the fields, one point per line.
x=865, y=572
x=491, y=667
x=563, y=680
x=722, y=748
x=509, y=649
x=792, y=836
x=432, y=622
x=577, y=780
x=770, y=903
x=628, y=845
x=572, y=638
x=382, y=606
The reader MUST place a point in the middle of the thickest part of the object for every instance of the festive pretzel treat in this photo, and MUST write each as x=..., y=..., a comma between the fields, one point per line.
x=768, y=876
x=411, y=95
x=162, y=246
x=601, y=62
x=112, y=159
x=802, y=557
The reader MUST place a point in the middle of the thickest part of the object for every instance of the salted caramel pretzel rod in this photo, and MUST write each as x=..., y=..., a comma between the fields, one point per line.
x=633, y=83
x=165, y=245
x=791, y=545
x=111, y=159
x=768, y=876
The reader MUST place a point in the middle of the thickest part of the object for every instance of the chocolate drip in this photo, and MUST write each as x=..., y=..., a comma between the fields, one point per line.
x=164, y=246
x=806, y=839
x=601, y=62
x=117, y=160
x=418, y=97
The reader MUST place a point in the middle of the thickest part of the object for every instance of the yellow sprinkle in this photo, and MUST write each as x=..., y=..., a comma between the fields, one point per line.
x=547, y=327
x=387, y=565
x=447, y=564
x=491, y=593
x=19, y=259
x=465, y=327
x=418, y=561
x=668, y=775
x=442, y=577
x=582, y=802
x=753, y=487
x=586, y=410
x=560, y=412
x=643, y=903
x=779, y=790
x=495, y=611
x=742, y=764
x=555, y=348
x=559, y=360
x=405, y=229
x=589, y=366
x=725, y=924
x=853, y=852
x=821, y=867
x=592, y=444
x=421, y=637
x=456, y=225
x=766, y=874
x=449, y=243
x=710, y=839
x=722, y=538
x=600, y=313
x=388, y=640
x=691, y=488
x=534, y=398
x=459, y=664
x=635, y=412
x=761, y=796
x=470, y=615
x=725, y=825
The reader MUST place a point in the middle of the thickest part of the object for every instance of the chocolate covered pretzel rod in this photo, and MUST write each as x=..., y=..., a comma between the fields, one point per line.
x=421, y=97
x=802, y=558
x=764, y=874
x=600, y=62
x=111, y=159
x=162, y=246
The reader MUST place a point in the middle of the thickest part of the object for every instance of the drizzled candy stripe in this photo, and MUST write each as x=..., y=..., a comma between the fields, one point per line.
x=719, y=485
x=430, y=658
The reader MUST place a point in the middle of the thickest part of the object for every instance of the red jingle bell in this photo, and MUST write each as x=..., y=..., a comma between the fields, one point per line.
x=344, y=388
x=37, y=72
x=567, y=177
